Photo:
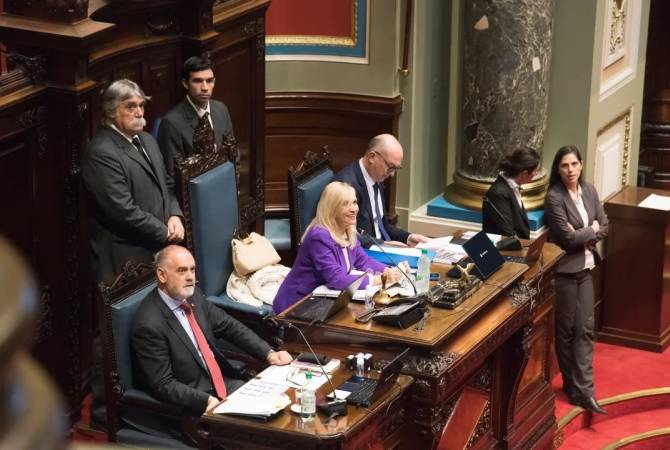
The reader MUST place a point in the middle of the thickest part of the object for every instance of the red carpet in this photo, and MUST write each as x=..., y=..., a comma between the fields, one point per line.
x=618, y=371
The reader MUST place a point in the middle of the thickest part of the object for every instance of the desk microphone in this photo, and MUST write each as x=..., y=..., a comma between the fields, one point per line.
x=336, y=407
x=380, y=245
x=507, y=243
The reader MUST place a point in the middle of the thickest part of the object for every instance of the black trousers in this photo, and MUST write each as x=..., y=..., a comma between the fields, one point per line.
x=574, y=331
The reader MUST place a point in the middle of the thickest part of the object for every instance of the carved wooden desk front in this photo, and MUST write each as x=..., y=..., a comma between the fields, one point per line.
x=482, y=369
x=362, y=428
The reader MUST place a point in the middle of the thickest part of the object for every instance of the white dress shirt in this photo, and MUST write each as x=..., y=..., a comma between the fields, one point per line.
x=201, y=112
x=589, y=260
x=180, y=314
x=370, y=184
x=515, y=188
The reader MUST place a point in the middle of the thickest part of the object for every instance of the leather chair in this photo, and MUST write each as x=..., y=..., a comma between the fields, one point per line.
x=131, y=411
x=305, y=184
x=207, y=187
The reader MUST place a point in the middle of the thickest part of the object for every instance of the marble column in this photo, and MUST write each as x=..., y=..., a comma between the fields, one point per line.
x=505, y=79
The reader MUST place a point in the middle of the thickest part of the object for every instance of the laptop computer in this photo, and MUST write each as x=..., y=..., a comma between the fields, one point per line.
x=533, y=252
x=483, y=253
x=320, y=309
x=364, y=390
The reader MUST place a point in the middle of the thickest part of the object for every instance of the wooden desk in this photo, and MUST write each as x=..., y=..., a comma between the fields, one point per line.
x=383, y=423
x=637, y=269
x=483, y=367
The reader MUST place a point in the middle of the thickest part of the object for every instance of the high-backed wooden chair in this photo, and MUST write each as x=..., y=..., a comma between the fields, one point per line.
x=131, y=412
x=305, y=184
x=207, y=190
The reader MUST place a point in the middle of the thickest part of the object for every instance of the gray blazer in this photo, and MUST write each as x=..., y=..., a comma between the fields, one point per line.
x=560, y=210
x=129, y=202
x=175, y=133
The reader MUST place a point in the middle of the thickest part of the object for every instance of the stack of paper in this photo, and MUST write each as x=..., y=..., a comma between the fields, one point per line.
x=258, y=398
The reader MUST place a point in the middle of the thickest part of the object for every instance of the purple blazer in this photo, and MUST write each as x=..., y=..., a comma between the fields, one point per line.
x=320, y=261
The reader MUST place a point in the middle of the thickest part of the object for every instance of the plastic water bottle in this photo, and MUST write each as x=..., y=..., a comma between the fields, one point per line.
x=423, y=273
x=307, y=400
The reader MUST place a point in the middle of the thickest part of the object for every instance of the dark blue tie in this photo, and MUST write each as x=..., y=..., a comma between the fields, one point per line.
x=378, y=211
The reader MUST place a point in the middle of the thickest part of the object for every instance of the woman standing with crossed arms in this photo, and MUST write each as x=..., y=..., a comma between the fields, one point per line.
x=577, y=222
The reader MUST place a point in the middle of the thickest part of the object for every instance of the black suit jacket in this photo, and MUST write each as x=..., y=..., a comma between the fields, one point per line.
x=166, y=363
x=353, y=175
x=509, y=219
x=175, y=133
x=129, y=202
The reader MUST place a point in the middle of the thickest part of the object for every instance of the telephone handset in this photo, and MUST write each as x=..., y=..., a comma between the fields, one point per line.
x=402, y=313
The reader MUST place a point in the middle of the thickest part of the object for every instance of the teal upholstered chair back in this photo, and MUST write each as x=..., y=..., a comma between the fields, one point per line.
x=122, y=313
x=215, y=218
x=306, y=183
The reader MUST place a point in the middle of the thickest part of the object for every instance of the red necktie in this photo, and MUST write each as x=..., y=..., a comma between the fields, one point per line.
x=210, y=361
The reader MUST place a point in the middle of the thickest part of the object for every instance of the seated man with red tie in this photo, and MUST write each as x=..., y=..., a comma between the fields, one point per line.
x=173, y=335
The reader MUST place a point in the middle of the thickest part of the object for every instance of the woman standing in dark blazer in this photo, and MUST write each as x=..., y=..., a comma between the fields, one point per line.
x=502, y=209
x=577, y=222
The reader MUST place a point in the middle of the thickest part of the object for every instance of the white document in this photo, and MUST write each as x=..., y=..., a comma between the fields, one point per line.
x=492, y=237
x=654, y=201
x=435, y=244
x=257, y=397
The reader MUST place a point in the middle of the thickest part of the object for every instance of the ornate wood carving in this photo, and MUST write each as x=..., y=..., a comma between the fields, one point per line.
x=163, y=21
x=34, y=67
x=60, y=10
x=36, y=117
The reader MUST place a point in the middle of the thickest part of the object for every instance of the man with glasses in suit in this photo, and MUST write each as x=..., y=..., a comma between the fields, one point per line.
x=382, y=159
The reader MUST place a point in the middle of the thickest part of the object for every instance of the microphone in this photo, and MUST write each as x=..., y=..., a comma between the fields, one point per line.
x=376, y=241
x=508, y=243
x=336, y=407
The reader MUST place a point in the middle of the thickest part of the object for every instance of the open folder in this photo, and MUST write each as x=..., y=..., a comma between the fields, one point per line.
x=257, y=399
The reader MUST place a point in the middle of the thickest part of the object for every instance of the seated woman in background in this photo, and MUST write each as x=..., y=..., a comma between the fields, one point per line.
x=577, y=222
x=329, y=250
x=502, y=209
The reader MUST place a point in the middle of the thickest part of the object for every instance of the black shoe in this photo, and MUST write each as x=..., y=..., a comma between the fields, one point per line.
x=591, y=404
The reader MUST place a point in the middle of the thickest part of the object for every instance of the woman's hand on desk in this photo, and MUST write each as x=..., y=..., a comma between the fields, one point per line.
x=393, y=275
x=280, y=358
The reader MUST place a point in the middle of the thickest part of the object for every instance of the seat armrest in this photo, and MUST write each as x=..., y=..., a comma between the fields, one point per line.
x=139, y=399
x=226, y=303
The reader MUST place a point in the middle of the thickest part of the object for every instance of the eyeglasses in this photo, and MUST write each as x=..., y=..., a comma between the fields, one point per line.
x=390, y=168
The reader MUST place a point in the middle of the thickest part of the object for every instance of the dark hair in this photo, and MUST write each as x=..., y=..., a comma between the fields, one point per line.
x=520, y=160
x=195, y=64
x=555, y=177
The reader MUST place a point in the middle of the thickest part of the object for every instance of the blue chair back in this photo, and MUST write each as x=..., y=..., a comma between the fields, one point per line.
x=154, y=129
x=307, y=198
x=123, y=312
x=215, y=218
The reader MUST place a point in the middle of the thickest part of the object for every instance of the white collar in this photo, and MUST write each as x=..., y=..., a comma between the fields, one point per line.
x=512, y=184
x=199, y=111
x=125, y=136
x=169, y=301
x=368, y=179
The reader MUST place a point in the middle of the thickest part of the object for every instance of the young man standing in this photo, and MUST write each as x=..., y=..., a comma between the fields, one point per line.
x=175, y=134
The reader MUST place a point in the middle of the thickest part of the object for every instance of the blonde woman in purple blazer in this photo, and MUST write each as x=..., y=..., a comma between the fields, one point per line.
x=329, y=250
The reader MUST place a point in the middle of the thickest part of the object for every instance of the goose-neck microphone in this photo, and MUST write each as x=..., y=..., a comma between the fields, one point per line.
x=506, y=243
x=336, y=407
x=395, y=264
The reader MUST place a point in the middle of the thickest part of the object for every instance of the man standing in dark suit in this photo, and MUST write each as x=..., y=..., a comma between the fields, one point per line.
x=382, y=159
x=173, y=335
x=132, y=207
x=503, y=211
x=175, y=133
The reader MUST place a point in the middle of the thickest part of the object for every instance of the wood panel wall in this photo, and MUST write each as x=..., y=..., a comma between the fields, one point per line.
x=301, y=121
x=655, y=133
x=50, y=106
